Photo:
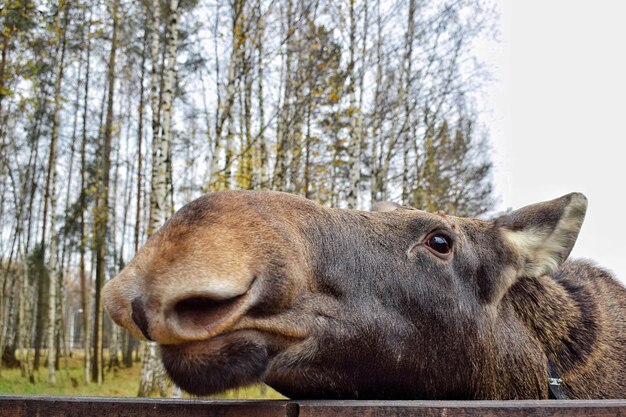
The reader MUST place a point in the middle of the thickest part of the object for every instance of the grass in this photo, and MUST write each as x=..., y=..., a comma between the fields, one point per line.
x=123, y=382
x=71, y=381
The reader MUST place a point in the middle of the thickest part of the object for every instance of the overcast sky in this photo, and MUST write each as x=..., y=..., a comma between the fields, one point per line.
x=558, y=113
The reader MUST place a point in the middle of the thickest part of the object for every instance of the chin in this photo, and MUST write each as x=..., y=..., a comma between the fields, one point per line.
x=215, y=365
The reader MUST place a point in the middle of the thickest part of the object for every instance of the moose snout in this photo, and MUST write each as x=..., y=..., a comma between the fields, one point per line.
x=200, y=315
x=138, y=314
x=169, y=314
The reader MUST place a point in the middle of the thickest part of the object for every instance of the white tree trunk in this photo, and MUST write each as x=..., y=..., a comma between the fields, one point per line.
x=26, y=321
x=168, y=98
x=149, y=357
x=153, y=223
x=261, y=167
x=354, y=149
x=225, y=116
x=152, y=376
x=52, y=294
x=406, y=132
x=375, y=163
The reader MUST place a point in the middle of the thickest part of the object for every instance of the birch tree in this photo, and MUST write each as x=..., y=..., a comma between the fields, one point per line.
x=354, y=152
x=152, y=374
x=407, y=96
x=51, y=188
x=84, y=296
x=101, y=208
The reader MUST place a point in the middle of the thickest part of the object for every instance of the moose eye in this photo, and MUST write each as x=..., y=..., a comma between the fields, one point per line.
x=439, y=243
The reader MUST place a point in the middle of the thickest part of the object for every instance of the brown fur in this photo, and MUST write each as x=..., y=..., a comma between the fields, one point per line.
x=240, y=287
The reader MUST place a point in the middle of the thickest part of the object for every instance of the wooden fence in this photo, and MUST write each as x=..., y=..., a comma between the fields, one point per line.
x=44, y=406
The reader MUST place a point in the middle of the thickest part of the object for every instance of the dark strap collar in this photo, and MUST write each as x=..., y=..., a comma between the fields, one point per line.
x=555, y=389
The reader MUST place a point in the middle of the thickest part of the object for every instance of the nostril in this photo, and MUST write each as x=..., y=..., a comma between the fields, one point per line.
x=139, y=316
x=200, y=313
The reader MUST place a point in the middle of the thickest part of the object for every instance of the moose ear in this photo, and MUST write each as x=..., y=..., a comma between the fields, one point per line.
x=544, y=234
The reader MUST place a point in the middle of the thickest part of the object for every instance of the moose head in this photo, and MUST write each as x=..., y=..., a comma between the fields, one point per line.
x=243, y=287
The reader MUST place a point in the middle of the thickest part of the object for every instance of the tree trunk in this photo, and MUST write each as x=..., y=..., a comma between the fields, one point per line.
x=155, y=106
x=24, y=331
x=354, y=151
x=84, y=287
x=148, y=356
x=38, y=305
x=279, y=181
x=406, y=132
x=3, y=61
x=129, y=342
x=168, y=98
x=217, y=144
x=262, y=166
x=248, y=159
x=51, y=181
x=11, y=281
x=63, y=266
x=101, y=211
x=376, y=186
x=360, y=125
x=225, y=115
x=152, y=374
x=140, y=110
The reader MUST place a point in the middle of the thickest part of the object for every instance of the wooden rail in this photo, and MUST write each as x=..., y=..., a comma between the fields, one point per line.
x=44, y=406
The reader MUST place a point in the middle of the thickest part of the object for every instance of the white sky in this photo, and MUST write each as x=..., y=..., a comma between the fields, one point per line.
x=558, y=113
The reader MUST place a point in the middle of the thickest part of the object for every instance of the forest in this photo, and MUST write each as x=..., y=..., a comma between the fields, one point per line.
x=115, y=113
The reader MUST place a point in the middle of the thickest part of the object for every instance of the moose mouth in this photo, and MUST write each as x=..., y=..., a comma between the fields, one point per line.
x=241, y=342
x=211, y=366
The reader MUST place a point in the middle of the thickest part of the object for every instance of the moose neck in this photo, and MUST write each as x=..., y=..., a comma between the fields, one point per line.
x=555, y=311
x=539, y=320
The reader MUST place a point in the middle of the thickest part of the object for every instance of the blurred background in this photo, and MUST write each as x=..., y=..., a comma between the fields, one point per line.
x=115, y=113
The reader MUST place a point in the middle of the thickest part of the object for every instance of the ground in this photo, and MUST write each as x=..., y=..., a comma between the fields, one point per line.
x=124, y=382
